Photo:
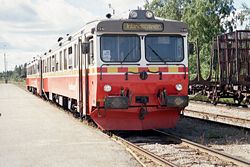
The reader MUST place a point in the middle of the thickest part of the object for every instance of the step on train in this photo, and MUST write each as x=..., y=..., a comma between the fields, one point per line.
x=129, y=73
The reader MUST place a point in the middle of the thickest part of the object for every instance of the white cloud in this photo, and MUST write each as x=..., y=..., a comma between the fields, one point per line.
x=31, y=27
x=122, y=6
x=59, y=13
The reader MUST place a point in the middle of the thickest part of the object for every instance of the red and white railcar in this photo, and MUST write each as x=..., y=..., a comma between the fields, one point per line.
x=33, y=79
x=125, y=74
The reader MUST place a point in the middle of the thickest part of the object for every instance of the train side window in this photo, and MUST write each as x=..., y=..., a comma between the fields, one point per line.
x=75, y=55
x=42, y=66
x=57, y=62
x=65, y=59
x=70, y=55
x=53, y=63
x=45, y=66
x=60, y=60
x=38, y=67
x=50, y=62
x=91, y=53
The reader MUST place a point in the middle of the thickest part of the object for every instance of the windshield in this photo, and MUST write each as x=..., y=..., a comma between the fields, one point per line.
x=120, y=48
x=164, y=48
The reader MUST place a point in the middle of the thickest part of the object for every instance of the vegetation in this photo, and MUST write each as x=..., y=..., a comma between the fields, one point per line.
x=244, y=16
x=205, y=18
x=17, y=75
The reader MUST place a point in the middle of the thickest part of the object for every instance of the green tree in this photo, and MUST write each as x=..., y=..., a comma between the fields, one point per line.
x=171, y=9
x=205, y=19
x=244, y=16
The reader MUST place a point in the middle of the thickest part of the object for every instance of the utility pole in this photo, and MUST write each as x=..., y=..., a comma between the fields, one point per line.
x=5, y=67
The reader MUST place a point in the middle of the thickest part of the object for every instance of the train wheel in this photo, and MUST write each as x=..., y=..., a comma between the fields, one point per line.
x=238, y=97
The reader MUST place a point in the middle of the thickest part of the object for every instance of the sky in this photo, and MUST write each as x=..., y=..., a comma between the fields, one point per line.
x=31, y=27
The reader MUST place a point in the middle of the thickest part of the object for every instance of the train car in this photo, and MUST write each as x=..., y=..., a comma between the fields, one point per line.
x=229, y=70
x=33, y=79
x=125, y=74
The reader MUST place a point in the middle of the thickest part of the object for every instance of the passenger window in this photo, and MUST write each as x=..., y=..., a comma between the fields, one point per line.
x=70, y=57
x=49, y=64
x=75, y=55
x=60, y=60
x=45, y=66
x=91, y=53
x=57, y=62
x=65, y=59
x=53, y=63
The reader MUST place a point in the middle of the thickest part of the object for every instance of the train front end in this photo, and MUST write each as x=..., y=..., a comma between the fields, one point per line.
x=140, y=80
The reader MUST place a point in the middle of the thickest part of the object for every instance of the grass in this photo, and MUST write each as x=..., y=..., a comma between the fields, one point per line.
x=200, y=97
x=20, y=83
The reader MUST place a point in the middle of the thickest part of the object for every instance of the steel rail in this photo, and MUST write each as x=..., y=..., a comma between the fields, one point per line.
x=144, y=152
x=222, y=105
x=207, y=150
x=217, y=117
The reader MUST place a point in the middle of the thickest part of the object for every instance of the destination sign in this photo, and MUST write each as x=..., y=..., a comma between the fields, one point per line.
x=135, y=26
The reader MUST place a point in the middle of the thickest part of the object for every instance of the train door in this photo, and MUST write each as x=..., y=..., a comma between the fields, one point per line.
x=80, y=57
x=40, y=77
x=84, y=78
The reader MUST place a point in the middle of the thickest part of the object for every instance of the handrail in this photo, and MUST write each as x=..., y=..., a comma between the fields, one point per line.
x=160, y=73
x=185, y=68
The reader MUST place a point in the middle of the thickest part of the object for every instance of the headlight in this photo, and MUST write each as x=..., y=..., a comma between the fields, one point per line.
x=149, y=14
x=178, y=87
x=107, y=88
x=133, y=14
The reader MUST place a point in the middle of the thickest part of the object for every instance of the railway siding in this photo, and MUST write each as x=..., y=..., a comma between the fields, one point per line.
x=223, y=114
x=172, y=150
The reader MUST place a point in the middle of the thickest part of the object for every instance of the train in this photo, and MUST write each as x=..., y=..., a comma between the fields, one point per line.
x=229, y=75
x=124, y=73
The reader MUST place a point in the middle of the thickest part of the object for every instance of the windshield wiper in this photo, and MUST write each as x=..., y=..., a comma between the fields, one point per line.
x=127, y=55
x=156, y=54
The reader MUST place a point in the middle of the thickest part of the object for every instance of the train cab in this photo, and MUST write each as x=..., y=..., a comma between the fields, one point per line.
x=136, y=72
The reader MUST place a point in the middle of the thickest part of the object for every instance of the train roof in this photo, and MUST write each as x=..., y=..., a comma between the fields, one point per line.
x=130, y=22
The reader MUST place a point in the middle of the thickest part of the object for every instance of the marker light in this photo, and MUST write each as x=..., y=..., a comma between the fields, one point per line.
x=149, y=14
x=133, y=14
x=178, y=87
x=107, y=88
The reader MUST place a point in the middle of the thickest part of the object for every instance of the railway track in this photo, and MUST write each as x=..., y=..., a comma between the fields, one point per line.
x=245, y=106
x=144, y=157
x=231, y=120
x=242, y=107
x=175, y=151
